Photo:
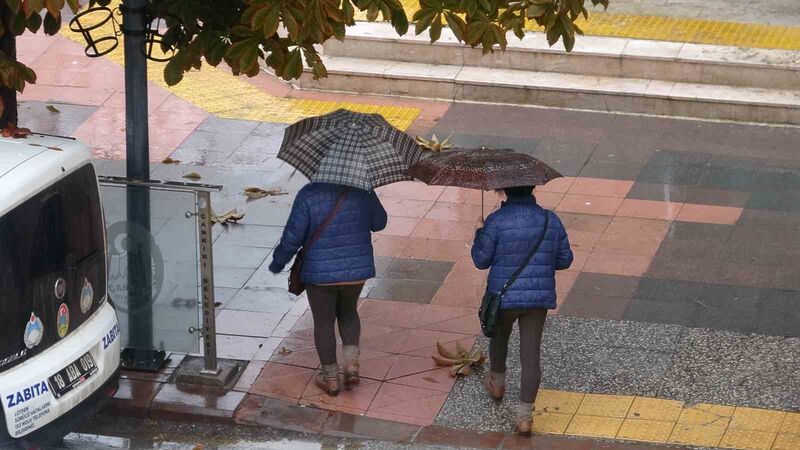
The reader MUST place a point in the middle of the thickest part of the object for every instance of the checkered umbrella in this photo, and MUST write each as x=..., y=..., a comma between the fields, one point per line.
x=349, y=148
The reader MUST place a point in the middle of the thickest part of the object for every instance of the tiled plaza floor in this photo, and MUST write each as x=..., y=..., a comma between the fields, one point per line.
x=684, y=288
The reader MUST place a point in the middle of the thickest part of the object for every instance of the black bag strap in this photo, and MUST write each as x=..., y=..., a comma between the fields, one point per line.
x=528, y=258
x=318, y=233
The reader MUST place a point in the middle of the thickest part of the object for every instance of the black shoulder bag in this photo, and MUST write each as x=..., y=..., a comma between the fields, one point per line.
x=490, y=306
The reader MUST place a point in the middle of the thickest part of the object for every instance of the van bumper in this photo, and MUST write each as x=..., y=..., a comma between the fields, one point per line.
x=66, y=423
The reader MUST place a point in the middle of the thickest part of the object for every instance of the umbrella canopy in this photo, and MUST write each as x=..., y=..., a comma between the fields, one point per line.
x=349, y=148
x=484, y=168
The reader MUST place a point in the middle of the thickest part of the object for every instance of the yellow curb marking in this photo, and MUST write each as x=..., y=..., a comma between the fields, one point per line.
x=677, y=29
x=649, y=419
x=230, y=97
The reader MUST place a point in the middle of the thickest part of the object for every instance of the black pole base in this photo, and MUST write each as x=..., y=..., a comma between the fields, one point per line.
x=145, y=360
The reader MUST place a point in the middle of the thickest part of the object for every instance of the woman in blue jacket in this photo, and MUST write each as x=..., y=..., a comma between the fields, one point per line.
x=502, y=245
x=334, y=268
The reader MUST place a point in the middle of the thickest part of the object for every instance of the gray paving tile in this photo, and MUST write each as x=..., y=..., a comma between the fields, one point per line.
x=217, y=125
x=520, y=144
x=260, y=145
x=263, y=278
x=270, y=300
x=770, y=376
x=415, y=291
x=611, y=170
x=677, y=173
x=240, y=256
x=109, y=167
x=382, y=263
x=613, y=333
x=220, y=141
x=249, y=235
x=266, y=212
x=231, y=277
x=630, y=149
x=680, y=249
x=602, y=284
x=418, y=269
x=270, y=129
x=666, y=157
x=658, y=192
x=717, y=197
x=35, y=116
x=594, y=305
x=775, y=201
x=754, y=252
x=699, y=231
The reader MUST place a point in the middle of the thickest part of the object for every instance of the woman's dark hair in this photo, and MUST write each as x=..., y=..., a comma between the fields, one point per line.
x=517, y=191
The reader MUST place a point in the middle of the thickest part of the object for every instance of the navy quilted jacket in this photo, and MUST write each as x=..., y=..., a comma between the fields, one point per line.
x=505, y=240
x=344, y=251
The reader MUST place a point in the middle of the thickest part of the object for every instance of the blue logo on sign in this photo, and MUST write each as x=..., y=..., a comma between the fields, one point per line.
x=26, y=394
x=111, y=336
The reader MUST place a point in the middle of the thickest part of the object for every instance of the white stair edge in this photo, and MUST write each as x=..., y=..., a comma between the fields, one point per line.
x=559, y=90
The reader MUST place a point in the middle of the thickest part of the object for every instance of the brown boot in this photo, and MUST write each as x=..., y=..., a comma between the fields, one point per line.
x=328, y=380
x=495, y=392
x=351, y=366
x=524, y=427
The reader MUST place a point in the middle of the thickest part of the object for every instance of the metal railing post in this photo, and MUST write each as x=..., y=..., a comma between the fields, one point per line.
x=207, y=280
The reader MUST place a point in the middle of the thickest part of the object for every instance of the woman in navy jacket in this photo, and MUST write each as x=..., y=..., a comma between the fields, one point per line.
x=334, y=268
x=502, y=245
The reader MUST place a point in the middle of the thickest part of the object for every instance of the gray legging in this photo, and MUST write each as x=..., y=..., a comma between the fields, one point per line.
x=329, y=304
x=531, y=326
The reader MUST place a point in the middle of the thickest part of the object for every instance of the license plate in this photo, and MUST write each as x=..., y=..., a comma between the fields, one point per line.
x=73, y=375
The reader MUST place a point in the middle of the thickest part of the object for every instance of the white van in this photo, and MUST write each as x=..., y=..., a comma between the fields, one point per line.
x=59, y=345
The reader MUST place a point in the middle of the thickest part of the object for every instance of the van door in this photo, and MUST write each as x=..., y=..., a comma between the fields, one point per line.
x=52, y=266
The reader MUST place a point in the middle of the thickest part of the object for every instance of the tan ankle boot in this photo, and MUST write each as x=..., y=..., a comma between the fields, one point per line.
x=351, y=366
x=330, y=385
x=524, y=427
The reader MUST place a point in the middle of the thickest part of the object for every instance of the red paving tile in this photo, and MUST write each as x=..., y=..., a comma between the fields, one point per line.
x=468, y=323
x=549, y=200
x=420, y=339
x=435, y=249
x=355, y=400
x=462, y=295
x=648, y=209
x=583, y=241
x=411, y=190
x=405, y=365
x=389, y=343
x=723, y=215
x=399, y=226
x=579, y=261
x=617, y=264
x=436, y=380
x=282, y=381
x=470, y=197
x=400, y=207
x=445, y=229
x=66, y=94
x=636, y=226
x=375, y=367
x=407, y=404
x=559, y=185
x=387, y=245
x=589, y=204
x=454, y=212
x=629, y=244
x=398, y=418
x=601, y=187
x=433, y=314
x=387, y=312
x=467, y=342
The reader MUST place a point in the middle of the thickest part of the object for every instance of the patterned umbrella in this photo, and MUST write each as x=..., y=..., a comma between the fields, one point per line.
x=483, y=168
x=349, y=148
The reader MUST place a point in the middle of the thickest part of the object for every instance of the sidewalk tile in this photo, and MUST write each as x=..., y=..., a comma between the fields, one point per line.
x=419, y=339
x=757, y=419
x=282, y=381
x=589, y=204
x=388, y=343
x=707, y=414
x=418, y=269
x=388, y=245
x=786, y=441
x=405, y=365
x=594, y=306
x=583, y=241
x=407, y=401
x=647, y=209
x=436, y=436
x=550, y=423
x=238, y=347
x=791, y=424
x=594, y=426
x=588, y=223
x=655, y=409
x=558, y=186
x=654, y=228
x=410, y=420
x=561, y=402
x=467, y=324
x=183, y=402
x=134, y=396
x=412, y=291
x=280, y=414
x=722, y=215
x=755, y=440
x=247, y=323
x=399, y=226
x=357, y=399
x=376, y=367
x=435, y=249
x=387, y=312
x=579, y=261
x=454, y=212
x=549, y=200
x=605, y=405
x=445, y=229
x=464, y=196
x=600, y=187
x=412, y=190
x=432, y=314
x=645, y=430
x=617, y=264
x=637, y=244
x=426, y=352
x=401, y=207
x=435, y=380
x=249, y=376
x=697, y=435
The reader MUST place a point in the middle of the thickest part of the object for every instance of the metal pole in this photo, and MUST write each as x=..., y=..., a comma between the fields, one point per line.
x=140, y=301
x=207, y=274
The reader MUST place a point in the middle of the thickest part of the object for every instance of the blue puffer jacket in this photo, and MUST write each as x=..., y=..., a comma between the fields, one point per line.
x=344, y=251
x=505, y=240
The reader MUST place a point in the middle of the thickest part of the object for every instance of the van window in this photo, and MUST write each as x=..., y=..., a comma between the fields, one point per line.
x=57, y=234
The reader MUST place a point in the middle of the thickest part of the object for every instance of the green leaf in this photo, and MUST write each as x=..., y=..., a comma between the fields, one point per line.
x=294, y=66
x=248, y=60
x=436, y=28
x=74, y=5
x=14, y=5
x=424, y=21
x=372, y=12
x=27, y=73
x=215, y=52
x=456, y=24
x=535, y=11
x=51, y=24
x=173, y=71
x=290, y=23
x=54, y=7
x=349, y=12
x=31, y=6
x=33, y=23
x=18, y=23
x=553, y=33
x=475, y=32
x=400, y=22
x=260, y=16
x=271, y=23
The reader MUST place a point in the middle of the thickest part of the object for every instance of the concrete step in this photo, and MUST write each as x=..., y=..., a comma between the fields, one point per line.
x=526, y=87
x=599, y=56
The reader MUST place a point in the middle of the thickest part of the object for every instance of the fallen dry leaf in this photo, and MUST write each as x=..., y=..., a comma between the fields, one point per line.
x=53, y=109
x=169, y=160
x=192, y=176
x=284, y=351
x=230, y=216
x=254, y=193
